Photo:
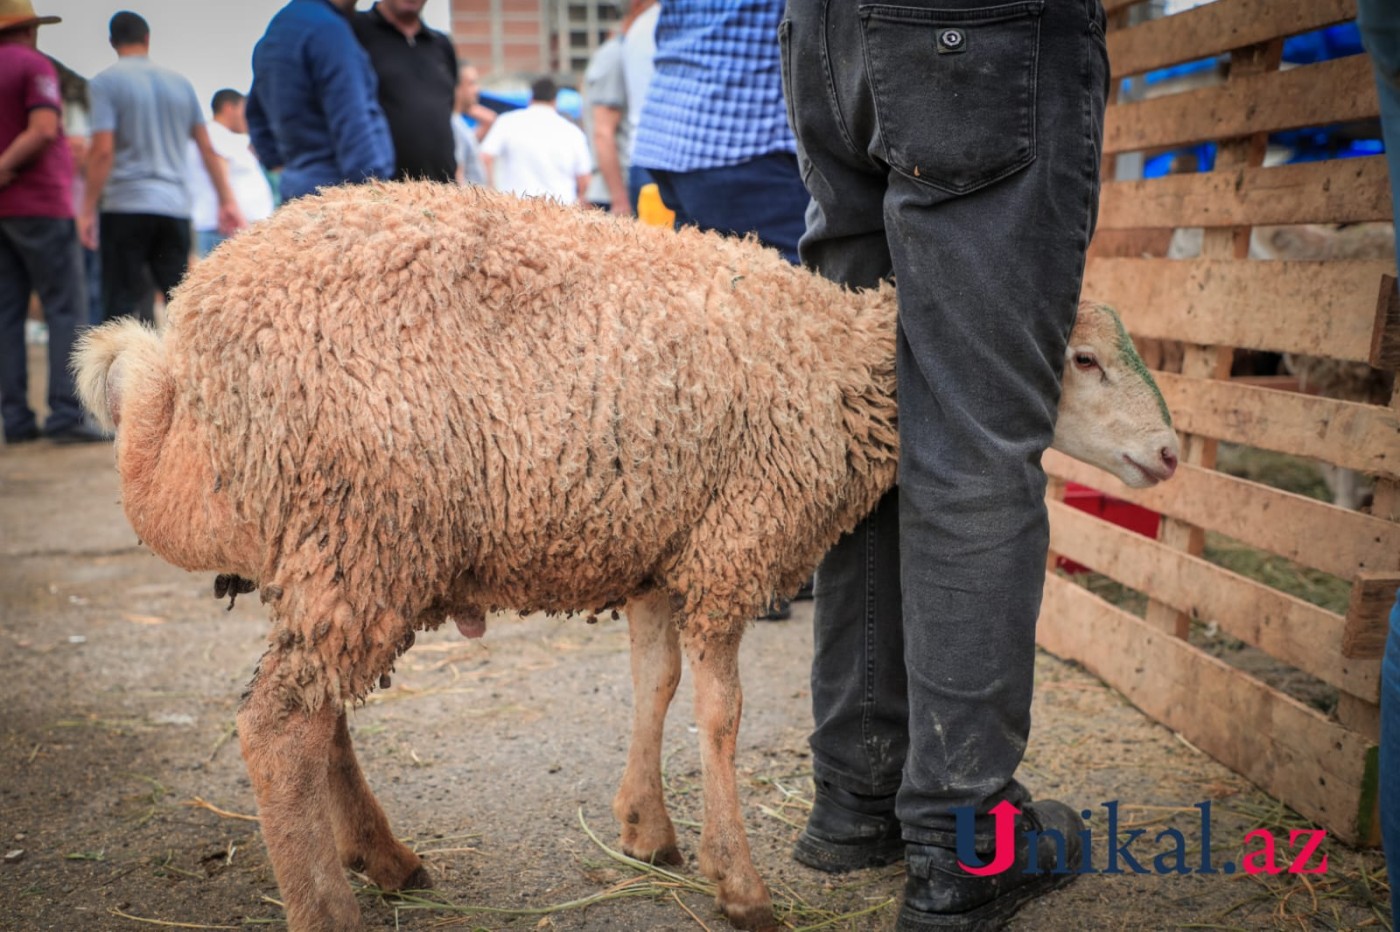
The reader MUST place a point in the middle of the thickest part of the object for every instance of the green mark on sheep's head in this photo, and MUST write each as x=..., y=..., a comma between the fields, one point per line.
x=1128, y=355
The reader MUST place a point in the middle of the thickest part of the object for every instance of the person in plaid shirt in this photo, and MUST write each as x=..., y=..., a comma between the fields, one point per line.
x=714, y=129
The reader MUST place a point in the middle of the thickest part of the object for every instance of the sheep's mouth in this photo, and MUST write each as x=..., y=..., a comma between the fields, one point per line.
x=1151, y=476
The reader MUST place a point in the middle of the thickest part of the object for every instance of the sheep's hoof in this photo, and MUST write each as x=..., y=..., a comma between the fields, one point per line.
x=754, y=917
x=393, y=877
x=669, y=855
x=418, y=880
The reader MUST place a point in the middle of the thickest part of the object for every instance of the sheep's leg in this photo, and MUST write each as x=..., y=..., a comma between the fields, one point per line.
x=647, y=832
x=362, y=834
x=724, y=847
x=286, y=750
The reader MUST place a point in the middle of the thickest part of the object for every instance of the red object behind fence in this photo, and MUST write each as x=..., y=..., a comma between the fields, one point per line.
x=1136, y=518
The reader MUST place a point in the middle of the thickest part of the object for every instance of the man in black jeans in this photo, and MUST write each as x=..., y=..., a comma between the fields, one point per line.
x=954, y=146
x=143, y=117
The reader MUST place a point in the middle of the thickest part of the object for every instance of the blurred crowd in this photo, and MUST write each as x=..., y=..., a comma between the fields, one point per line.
x=111, y=184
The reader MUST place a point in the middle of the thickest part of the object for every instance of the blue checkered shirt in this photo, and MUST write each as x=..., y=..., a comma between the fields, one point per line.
x=716, y=97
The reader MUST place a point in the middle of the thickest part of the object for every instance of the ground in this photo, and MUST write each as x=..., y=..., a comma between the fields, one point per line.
x=491, y=756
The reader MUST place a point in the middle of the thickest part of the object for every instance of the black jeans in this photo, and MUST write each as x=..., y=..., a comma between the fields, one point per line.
x=39, y=254
x=138, y=250
x=955, y=146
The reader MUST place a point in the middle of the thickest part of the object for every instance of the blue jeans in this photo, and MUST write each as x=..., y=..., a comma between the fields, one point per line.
x=206, y=240
x=39, y=254
x=92, y=278
x=1380, y=31
x=959, y=153
x=764, y=196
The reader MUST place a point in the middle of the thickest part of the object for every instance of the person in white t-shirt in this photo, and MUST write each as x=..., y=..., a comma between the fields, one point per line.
x=536, y=152
x=228, y=134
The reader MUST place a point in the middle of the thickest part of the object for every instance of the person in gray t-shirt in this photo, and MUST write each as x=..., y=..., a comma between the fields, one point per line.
x=142, y=118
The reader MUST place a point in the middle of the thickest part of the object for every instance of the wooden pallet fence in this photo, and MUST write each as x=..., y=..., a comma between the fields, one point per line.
x=1324, y=766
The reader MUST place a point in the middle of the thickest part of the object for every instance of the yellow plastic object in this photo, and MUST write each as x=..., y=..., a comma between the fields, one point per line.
x=651, y=210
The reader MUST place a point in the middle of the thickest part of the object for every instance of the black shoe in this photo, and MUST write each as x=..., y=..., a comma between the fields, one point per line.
x=21, y=436
x=82, y=432
x=779, y=609
x=938, y=894
x=848, y=832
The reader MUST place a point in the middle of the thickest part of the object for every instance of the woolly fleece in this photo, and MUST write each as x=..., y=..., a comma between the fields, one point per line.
x=396, y=403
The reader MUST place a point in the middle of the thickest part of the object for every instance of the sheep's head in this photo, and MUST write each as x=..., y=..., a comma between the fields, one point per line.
x=1112, y=414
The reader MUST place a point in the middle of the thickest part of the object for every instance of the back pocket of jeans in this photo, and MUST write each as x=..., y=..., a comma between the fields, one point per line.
x=954, y=89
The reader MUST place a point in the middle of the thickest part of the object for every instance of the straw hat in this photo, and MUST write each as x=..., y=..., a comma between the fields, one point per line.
x=16, y=14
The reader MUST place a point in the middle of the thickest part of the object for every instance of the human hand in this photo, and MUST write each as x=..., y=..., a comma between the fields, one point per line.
x=622, y=208
x=230, y=219
x=87, y=229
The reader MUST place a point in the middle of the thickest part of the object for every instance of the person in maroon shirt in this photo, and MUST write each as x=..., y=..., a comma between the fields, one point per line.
x=38, y=238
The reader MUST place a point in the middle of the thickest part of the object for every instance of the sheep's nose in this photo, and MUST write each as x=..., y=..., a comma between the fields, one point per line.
x=1168, y=461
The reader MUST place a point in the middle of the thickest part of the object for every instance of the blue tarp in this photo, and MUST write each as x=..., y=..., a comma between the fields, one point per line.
x=569, y=101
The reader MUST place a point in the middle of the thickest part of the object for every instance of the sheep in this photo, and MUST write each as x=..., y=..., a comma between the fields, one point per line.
x=391, y=405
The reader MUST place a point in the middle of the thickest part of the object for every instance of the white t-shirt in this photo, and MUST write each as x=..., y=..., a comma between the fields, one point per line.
x=537, y=152
x=245, y=177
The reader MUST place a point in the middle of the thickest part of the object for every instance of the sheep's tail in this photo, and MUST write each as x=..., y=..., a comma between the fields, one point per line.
x=116, y=359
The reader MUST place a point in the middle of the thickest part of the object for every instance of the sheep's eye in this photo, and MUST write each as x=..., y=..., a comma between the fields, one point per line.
x=1085, y=361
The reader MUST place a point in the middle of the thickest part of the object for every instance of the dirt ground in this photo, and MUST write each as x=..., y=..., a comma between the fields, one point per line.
x=123, y=675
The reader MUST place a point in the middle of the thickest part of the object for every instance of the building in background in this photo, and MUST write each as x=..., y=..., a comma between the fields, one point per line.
x=511, y=41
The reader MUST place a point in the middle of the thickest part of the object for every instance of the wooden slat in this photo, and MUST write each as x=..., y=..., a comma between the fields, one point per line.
x=1134, y=243
x=1368, y=615
x=1330, y=92
x=1319, y=768
x=1335, y=191
x=1304, y=530
x=1355, y=436
x=1321, y=308
x=1215, y=29
x=1115, y=6
x=1385, y=340
x=1288, y=629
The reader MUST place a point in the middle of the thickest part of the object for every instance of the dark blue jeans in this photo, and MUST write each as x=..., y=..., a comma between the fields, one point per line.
x=764, y=196
x=637, y=178
x=1390, y=756
x=39, y=254
x=954, y=146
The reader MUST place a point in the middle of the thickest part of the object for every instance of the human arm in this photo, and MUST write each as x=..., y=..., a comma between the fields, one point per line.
x=342, y=80
x=491, y=149
x=99, y=166
x=260, y=131
x=583, y=166
x=40, y=132
x=606, y=121
x=485, y=117
x=230, y=215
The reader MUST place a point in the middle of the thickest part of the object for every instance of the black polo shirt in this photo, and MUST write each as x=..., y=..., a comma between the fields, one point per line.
x=417, y=83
